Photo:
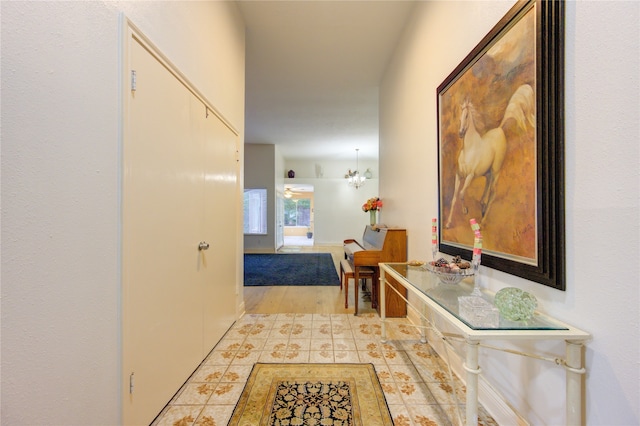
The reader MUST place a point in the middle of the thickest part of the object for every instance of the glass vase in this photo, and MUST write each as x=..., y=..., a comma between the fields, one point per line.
x=372, y=217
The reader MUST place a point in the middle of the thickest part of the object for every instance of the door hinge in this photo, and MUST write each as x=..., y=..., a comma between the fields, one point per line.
x=131, y=383
x=134, y=80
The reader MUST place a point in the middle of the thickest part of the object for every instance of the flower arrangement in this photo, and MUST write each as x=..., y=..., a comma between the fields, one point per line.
x=372, y=204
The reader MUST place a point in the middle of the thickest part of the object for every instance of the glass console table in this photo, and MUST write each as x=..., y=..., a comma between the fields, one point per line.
x=441, y=299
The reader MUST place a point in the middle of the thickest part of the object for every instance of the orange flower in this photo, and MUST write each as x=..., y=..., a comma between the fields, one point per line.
x=374, y=204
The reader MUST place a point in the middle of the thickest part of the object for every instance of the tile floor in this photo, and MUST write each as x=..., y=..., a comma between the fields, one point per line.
x=298, y=241
x=414, y=378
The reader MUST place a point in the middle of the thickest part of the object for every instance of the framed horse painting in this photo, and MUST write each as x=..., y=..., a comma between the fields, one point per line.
x=501, y=146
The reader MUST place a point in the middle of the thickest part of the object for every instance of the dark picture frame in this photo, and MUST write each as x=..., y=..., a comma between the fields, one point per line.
x=501, y=146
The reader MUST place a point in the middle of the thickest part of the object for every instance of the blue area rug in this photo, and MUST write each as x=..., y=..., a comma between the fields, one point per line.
x=290, y=269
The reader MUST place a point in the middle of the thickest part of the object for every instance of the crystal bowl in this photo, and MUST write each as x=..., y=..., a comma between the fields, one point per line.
x=449, y=276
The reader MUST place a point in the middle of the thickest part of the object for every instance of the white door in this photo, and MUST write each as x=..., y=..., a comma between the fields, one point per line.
x=218, y=262
x=279, y=222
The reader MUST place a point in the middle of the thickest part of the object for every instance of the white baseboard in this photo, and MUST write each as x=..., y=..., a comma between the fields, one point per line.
x=241, y=310
x=259, y=250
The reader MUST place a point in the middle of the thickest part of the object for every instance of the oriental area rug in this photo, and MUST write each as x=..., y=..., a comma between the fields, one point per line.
x=290, y=269
x=312, y=394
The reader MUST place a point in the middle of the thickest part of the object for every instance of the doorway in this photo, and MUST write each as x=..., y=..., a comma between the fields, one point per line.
x=298, y=215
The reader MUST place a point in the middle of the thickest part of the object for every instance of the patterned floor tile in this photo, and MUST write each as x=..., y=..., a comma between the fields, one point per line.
x=209, y=374
x=294, y=355
x=220, y=357
x=321, y=333
x=321, y=356
x=416, y=393
x=393, y=356
x=430, y=415
x=237, y=373
x=229, y=344
x=341, y=332
x=246, y=357
x=321, y=323
x=299, y=344
x=372, y=356
x=443, y=391
x=252, y=345
x=280, y=331
x=341, y=320
x=195, y=394
x=340, y=344
x=179, y=415
x=384, y=374
x=286, y=317
x=400, y=415
x=303, y=318
x=321, y=344
x=403, y=373
x=239, y=333
x=258, y=330
x=320, y=317
x=272, y=356
x=226, y=393
x=265, y=323
x=301, y=332
x=414, y=378
x=431, y=369
x=346, y=356
x=391, y=393
x=366, y=331
x=215, y=415
x=368, y=345
x=276, y=345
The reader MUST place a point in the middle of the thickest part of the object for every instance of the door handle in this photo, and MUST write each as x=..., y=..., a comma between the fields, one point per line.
x=203, y=246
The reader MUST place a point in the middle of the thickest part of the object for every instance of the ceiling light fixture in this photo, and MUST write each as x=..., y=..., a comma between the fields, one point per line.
x=354, y=178
x=288, y=193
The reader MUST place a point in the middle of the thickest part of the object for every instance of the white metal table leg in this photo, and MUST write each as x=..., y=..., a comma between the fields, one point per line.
x=423, y=323
x=383, y=305
x=472, y=368
x=574, y=373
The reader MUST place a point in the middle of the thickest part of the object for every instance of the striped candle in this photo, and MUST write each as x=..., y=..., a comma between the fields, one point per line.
x=434, y=231
x=477, y=241
x=434, y=238
x=477, y=246
x=477, y=254
x=475, y=227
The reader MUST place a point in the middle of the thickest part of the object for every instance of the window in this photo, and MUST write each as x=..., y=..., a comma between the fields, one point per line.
x=297, y=212
x=255, y=211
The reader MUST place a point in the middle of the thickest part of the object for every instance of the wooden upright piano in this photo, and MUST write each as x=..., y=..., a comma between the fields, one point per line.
x=379, y=245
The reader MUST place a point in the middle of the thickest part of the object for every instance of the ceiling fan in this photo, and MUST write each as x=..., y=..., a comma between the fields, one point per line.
x=289, y=190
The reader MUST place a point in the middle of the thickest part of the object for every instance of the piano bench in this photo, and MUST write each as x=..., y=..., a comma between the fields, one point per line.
x=347, y=273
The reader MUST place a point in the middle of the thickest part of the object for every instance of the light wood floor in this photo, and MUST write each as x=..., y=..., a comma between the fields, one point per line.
x=304, y=299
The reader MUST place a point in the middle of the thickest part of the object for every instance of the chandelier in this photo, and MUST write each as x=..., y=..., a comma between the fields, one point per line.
x=354, y=178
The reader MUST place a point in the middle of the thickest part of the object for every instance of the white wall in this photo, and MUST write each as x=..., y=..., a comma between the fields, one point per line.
x=259, y=172
x=337, y=207
x=60, y=189
x=602, y=192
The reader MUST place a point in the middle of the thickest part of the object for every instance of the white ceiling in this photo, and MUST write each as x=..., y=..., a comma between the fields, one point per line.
x=312, y=74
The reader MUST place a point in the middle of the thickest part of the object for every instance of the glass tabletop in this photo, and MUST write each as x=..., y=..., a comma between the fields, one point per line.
x=458, y=301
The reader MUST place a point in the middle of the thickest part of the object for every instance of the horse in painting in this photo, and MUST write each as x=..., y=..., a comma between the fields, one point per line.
x=483, y=155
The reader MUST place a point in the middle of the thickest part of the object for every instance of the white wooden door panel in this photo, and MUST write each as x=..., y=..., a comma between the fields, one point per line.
x=220, y=230
x=162, y=218
x=180, y=188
